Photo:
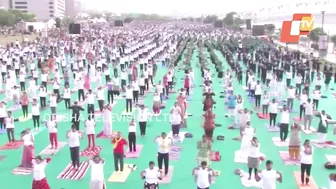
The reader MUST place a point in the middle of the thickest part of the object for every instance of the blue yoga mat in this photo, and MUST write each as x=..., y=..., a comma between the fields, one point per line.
x=2, y=131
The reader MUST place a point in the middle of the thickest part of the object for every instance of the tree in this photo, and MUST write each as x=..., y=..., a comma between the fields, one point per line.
x=333, y=39
x=270, y=28
x=232, y=20
x=210, y=19
x=12, y=17
x=66, y=21
x=315, y=33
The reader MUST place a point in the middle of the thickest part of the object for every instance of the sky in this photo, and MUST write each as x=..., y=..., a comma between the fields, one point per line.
x=197, y=7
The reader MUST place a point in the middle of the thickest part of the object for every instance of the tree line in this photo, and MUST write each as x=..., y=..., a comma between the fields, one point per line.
x=11, y=17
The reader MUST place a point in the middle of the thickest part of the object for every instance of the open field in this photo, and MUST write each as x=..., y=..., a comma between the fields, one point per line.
x=7, y=39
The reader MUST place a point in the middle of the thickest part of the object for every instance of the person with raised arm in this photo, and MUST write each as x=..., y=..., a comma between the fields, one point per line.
x=74, y=137
x=39, y=176
x=107, y=120
x=52, y=128
x=269, y=176
x=306, y=162
x=151, y=175
x=164, y=145
x=118, y=152
x=203, y=176
x=90, y=125
x=132, y=136
x=97, y=172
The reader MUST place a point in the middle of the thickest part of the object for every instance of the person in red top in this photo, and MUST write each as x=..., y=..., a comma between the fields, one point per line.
x=24, y=101
x=118, y=152
x=209, y=123
x=187, y=84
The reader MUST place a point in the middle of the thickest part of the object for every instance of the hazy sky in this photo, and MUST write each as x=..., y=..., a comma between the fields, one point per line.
x=196, y=7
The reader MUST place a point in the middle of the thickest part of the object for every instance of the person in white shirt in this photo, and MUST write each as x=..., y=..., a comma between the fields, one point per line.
x=90, y=97
x=269, y=176
x=303, y=100
x=67, y=96
x=32, y=88
x=248, y=134
x=203, y=176
x=74, y=137
x=151, y=176
x=90, y=125
x=123, y=78
x=22, y=80
x=290, y=97
x=97, y=173
x=53, y=103
x=306, y=162
x=298, y=81
x=316, y=98
x=135, y=89
x=284, y=123
x=129, y=98
x=257, y=94
x=253, y=156
x=52, y=128
x=265, y=103
x=159, y=88
x=142, y=116
x=2, y=115
x=309, y=111
x=142, y=85
x=273, y=111
x=56, y=87
x=100, y=98
x=9, y=123
x=107, y=120
x=28, y=149
x=164, y=145
x=156, y=104
x=43, y=95
x=39, y=177
x=288, y=78
x=132, y=136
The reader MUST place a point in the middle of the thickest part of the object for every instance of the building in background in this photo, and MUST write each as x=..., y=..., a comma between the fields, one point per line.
x=5, y=4
x=70, y=9
x=43, y=9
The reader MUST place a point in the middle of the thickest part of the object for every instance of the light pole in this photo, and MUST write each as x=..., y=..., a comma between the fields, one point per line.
x=323, y=12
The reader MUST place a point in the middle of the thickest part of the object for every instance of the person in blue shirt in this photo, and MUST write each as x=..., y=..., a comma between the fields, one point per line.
x=232, y=101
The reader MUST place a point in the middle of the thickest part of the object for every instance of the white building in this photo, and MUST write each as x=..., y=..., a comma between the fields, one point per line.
x=43, y=9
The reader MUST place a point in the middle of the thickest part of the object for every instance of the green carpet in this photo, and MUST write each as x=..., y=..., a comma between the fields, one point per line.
x=182, y=169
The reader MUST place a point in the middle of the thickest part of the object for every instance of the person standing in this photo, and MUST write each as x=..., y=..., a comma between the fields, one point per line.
x=204, y=151
x=322, y=127
x=76, y=114
x=2, y=115
x=74, y=137
x=67, y=96
x=284, y=123
x=24, y=101
x=143, y=115
x=294, y=142
x=290, y=97
x=107, y=120
x=164, y=145
x=43, y=95
x=90, y=125
x=253, y=156
x=316, y=98
x=100, y=98
x=303, y=100
x=257, y=94
x=176, y=118
x=135, y=90
x=90, y=96
x=248, y=135
x=36, y=115
x=306, y=162
x=203, y=176
x=332, y=181
x=97, y=173
x=269, y=176
x=39, y=176
x=53, y=103
x=9, y=123
x=151, y=176
x=209, y=124
x=132, y=136
x=273, y=111
x=28, y=149
x=118, y=152
x=308, y=114
x=52, y=128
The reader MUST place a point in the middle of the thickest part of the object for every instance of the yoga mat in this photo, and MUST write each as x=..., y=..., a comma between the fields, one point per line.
x=277, y=142
x=297, y=119
x=17, y=144
x=49, y=151
x=286, y=159
x=168, y=178
x=102, y=136
x=136, y=154
x=250, y=183
x=241, y=157
x=124, y=113
x=91, y=151
x=323, y=145
x=308, y=132
x=24, y=119
x=120, y=177
x=312, y=184
x=263, y=116
x=273, y=129
x=70, y=174
x=2, y=158
x=2, y=131
x=14, y=108
x=180, y=139
x=22, y=171
x=175, y=152
x=331, y=158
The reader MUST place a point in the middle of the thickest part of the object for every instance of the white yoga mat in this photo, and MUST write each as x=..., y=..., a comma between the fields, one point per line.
x=278, y=142
x=250, y=183
x=181, y=134
x=49, y=151
x=331, y=158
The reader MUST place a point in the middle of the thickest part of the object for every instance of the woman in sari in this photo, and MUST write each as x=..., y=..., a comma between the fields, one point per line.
x=181, y=102
x=209, y=123
x=28, y=149
x=204, y=150
x=156, y=103
x=322, y=129
x=208, y=102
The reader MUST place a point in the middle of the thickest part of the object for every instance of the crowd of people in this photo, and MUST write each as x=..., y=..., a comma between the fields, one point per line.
x=123, y=66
